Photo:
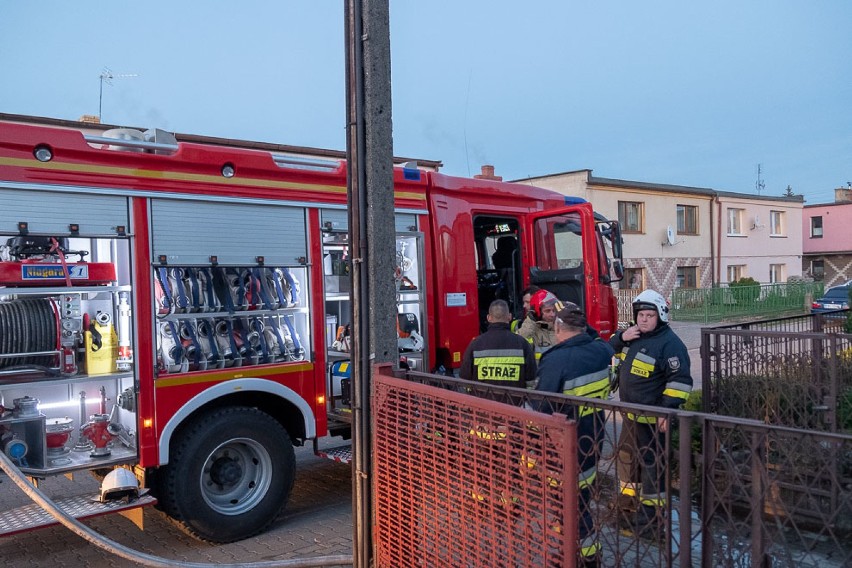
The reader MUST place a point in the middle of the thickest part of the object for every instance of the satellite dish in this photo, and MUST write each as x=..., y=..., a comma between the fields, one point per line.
x=670, y=236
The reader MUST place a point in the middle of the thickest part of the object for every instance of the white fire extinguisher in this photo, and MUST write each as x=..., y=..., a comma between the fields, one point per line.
x=125, y=353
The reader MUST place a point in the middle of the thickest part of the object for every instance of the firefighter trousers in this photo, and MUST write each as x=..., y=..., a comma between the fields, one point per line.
x=640, y=461
x=590, y=434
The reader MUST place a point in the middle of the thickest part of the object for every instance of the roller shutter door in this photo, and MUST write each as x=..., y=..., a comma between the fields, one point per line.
x=405, y=222
x=50, y=212
x=336, y=220
x=190, y=232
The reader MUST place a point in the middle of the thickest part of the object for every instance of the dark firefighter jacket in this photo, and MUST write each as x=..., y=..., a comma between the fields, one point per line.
x=654, y=368
x=499, y=357
x=578, y=366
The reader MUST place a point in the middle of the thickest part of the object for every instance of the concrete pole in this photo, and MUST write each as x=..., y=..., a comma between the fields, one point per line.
x=372, y=234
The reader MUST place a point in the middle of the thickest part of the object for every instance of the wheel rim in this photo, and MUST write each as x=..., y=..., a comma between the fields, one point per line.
x=236, y=476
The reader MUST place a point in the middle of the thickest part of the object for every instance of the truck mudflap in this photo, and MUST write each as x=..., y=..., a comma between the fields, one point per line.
x=32, y=516
x=341, y=454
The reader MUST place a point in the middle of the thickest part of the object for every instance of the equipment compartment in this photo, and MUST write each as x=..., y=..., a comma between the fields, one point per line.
x=67, y=389
x=219, y=317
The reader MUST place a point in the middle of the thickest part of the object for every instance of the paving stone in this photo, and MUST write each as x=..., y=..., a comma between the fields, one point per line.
x=317, y=522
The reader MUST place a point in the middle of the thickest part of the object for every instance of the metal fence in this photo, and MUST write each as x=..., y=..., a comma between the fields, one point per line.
x=465, y=481
x=794, y=371
x=736, y=487
x=724, y=303
x=774, y=496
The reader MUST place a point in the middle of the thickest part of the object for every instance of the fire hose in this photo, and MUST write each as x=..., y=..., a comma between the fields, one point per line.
x=117, y=549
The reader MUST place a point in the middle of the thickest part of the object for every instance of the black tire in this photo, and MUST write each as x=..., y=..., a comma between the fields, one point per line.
x=229, y=475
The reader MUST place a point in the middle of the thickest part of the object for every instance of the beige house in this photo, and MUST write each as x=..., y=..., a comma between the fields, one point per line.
x=692, y=237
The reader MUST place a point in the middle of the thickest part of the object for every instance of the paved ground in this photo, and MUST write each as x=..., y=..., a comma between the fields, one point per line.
x=690, y=334
x=317, y=521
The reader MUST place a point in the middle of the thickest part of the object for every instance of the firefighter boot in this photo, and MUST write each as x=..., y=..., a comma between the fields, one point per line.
x=649, y=522
x=625, y=503
x=593, y=561
x=624, y=507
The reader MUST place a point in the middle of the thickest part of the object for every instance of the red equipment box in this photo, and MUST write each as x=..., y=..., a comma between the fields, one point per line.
x=35, y=273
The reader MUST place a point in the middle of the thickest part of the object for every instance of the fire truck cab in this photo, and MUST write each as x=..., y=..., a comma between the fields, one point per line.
x=182, y=309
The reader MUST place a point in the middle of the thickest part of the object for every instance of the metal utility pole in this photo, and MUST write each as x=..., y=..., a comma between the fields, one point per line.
x=369, y=153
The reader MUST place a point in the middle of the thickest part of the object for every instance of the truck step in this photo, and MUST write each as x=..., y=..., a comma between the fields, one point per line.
x=32, y=516
x=342, y=454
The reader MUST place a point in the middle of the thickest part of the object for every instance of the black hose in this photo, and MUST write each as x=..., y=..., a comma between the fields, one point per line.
x=15, y=332
x=27, y=326
x=4, y=337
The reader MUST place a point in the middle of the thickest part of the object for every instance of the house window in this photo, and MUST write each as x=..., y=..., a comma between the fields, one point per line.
x=735, y=272
x=776, y=224
x=634, y=278
x=630, y=216
x=816, y=227
x=777, y=273
x=687, y=276
x=735, y=221
x=687, y=220
x=818, y=270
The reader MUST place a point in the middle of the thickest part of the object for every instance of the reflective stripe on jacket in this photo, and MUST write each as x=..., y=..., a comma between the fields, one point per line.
x=499, y=357
x=654, y=370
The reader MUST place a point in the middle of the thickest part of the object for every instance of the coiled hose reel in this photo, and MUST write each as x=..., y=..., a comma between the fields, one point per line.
x=28, y=325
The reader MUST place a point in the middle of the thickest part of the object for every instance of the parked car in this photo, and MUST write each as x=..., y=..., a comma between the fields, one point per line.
x=836, y=298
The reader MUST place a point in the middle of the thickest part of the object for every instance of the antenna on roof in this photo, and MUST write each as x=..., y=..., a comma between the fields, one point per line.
x=759, y=185
x=107, y=75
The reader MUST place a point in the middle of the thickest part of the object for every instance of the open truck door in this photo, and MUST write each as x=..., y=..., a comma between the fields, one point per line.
x=577, y=257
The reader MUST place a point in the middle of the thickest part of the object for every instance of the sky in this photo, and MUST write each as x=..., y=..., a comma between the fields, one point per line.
x=698, y=94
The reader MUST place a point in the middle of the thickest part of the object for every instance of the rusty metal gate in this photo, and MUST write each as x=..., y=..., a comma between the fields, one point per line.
x=463, y=481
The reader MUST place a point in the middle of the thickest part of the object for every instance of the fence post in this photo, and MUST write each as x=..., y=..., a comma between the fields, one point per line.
x=709, y=351
x=708, y=504
x=758, y=498
x=685, y=504
x=833, y=385
x=831, y=414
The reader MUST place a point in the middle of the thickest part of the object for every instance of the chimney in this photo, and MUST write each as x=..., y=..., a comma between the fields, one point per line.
x=843, y=195
x=90, y=118
x=488, y=173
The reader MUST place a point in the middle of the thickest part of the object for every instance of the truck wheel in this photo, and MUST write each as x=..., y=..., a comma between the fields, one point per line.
x=229, y=475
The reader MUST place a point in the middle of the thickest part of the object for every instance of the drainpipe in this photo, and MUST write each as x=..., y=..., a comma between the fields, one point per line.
x=712, y=248
x=719, y=241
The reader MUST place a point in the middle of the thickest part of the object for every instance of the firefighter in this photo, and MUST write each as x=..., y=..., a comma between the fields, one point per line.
x=526, y=296
x=578, y=365
x=653, y=370
x=537, y=327
x=498, y=356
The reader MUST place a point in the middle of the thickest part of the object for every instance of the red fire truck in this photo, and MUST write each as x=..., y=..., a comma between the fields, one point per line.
x=182, y=309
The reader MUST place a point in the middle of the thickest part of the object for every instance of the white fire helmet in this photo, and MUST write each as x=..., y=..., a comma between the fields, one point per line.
x=651, y=300
x=119, y=483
